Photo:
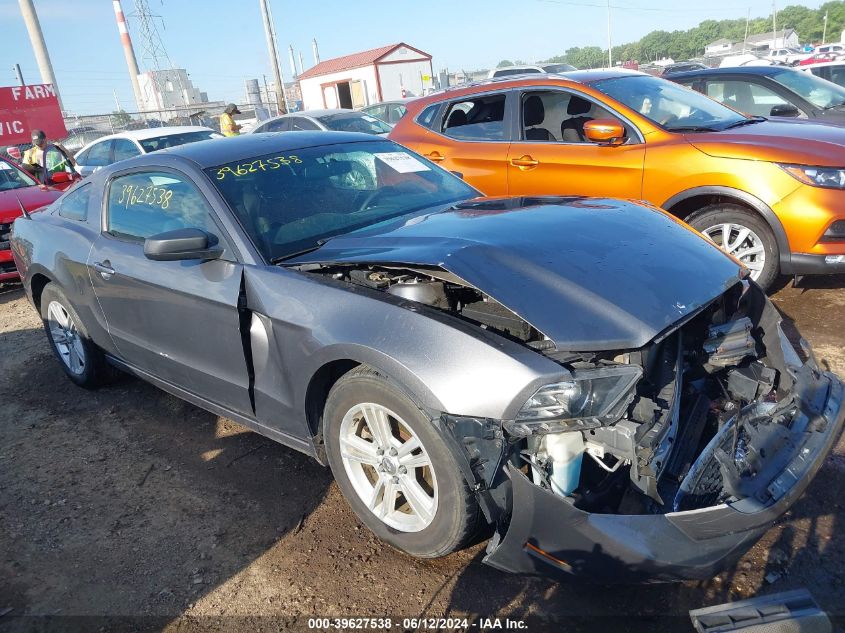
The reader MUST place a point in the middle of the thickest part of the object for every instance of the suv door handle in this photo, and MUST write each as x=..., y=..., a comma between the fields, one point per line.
x=104, y=268
x=435, y=156
x=524, y=162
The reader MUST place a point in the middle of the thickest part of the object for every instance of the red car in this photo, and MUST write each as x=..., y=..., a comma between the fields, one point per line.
x=18, y=188
x=817, y=58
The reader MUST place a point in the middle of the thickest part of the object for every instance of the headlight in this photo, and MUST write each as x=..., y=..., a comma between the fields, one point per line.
x=590, y=398
x=830, y=177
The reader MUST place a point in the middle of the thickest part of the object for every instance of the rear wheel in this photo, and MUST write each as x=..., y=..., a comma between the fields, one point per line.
x=394, y=468
x=81, y=360
x=743, y=234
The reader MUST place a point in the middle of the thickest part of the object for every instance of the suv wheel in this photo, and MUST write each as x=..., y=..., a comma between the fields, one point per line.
x=394, y=468
x=743, y=234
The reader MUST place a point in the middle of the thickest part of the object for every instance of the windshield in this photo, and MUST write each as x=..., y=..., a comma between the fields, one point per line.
x=354, y=122
x=820, y=92
x=289, y=202
x=668, y=104
x=13, y=178
x=172, y=140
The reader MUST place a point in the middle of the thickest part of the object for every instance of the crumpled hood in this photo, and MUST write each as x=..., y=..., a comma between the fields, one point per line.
x=778, y=141
x=591, y=274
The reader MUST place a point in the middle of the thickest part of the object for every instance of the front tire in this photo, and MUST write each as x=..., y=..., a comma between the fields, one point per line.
x=394, y=468
x=81, y=360
x=743, y=234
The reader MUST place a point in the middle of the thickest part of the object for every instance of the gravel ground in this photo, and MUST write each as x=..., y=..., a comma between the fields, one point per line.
x=127, y=503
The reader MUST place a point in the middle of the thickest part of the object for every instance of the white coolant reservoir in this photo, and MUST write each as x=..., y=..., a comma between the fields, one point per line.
x=565, y=451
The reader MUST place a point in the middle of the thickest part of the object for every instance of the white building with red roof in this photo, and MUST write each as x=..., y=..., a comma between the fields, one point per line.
x=353, y=81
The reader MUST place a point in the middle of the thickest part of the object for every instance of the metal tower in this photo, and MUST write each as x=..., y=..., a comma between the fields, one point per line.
x=154, y=55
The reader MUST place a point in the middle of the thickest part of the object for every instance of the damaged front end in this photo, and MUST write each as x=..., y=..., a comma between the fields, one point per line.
x=675, y=469
x=661, y=462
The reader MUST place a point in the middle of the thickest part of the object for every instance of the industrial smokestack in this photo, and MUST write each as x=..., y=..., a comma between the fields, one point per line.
x=292, y=62
x=39, y=47
x=301, y=67
x=316, y=51
x=129, y=53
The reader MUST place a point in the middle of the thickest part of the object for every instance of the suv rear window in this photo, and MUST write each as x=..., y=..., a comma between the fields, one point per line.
x=477, y=119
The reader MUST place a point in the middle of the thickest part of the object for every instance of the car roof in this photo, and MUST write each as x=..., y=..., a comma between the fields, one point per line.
x=225, y=150
x=733, y=70
x=833, y=62
x=537, y=79
x=389, y=101
x=316, y=113
x=155, y=132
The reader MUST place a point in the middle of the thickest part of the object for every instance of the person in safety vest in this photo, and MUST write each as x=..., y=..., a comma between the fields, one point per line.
x=228, y=127
x=33, y=158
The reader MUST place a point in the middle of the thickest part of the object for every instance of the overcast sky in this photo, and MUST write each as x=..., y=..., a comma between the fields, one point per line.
x=222, y=43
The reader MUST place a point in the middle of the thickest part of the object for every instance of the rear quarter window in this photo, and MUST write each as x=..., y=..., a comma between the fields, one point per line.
x=427, y=117
x=74, y=205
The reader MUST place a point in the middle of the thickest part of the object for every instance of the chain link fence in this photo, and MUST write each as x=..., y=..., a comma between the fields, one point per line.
x=86, y=128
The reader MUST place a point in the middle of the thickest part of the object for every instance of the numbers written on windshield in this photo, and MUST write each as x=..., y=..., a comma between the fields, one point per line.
x=151, y=195
x=257, y=165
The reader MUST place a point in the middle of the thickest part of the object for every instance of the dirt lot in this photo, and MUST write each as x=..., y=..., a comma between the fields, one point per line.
x=129, y=504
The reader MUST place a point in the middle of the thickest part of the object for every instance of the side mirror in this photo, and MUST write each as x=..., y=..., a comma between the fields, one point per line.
x=181, y=244
x=605, y=132
x=61, y=177
x=785, y=109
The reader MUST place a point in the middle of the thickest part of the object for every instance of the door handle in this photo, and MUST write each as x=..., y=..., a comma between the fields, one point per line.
x=104, y=268
x=524, y=162
x=435, y=156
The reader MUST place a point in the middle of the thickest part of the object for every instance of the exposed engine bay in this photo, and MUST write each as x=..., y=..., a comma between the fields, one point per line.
x=704, y=414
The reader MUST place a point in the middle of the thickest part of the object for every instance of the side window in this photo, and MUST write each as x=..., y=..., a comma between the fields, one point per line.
x=74, y=205
x=98, y=155
x=146, y=203
x=477, y=119
x=297, y=123
x=746, y=97
x=395, y=112
x=376, y=111
x=124, y=148
x=558, y=116
x=836, y=74
x=279, y=125
x=426, y=117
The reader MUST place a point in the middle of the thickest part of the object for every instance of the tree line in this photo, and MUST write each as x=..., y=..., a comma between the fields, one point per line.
x=682, y=45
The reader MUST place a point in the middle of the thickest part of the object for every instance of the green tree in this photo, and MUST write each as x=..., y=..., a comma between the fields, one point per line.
x=680, y=45
x=119, y=118
x=503, y=63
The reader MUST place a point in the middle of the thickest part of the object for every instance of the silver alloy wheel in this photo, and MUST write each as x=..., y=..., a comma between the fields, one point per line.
x=742, y=243
x=66, y=337
x=388, y=467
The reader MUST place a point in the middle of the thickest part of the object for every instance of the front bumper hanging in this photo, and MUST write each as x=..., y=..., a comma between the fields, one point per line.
x=548, y=535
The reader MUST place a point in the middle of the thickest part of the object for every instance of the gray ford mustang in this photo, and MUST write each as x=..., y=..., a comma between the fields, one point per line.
x=589, y=377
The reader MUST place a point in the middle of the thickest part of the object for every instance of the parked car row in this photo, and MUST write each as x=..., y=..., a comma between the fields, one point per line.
x=498, y=317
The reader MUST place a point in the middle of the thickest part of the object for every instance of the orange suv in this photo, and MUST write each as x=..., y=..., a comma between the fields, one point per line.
x=771, y=193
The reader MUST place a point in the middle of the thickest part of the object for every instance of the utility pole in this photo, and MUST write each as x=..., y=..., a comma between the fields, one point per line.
x=301, y=66
x=774, y=25
x=824, y=30
x=281, y=97
x=129, y=54
x=19, y=74
x=39, y=46
x=316, y=51
x=292, y=62
x=609, y=44
x=747, y=20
